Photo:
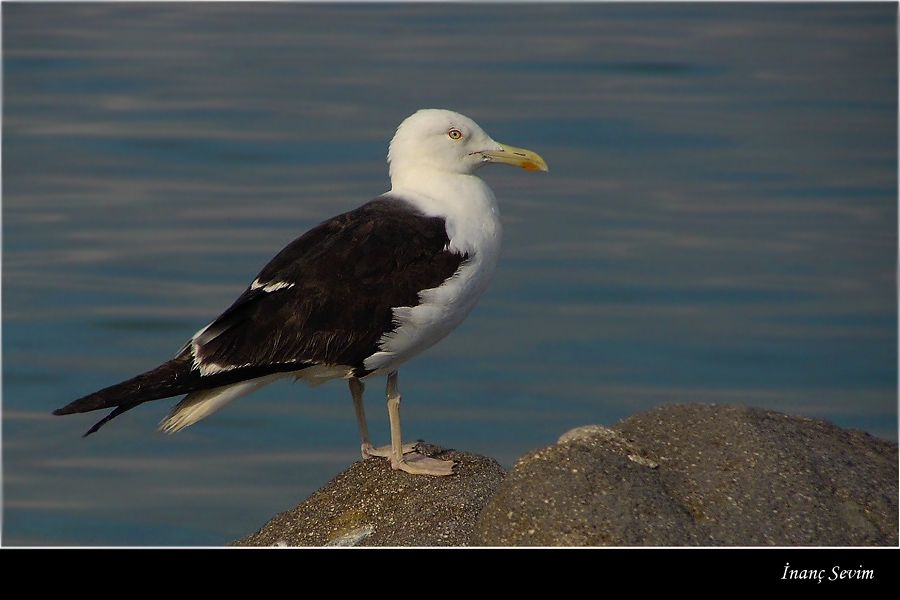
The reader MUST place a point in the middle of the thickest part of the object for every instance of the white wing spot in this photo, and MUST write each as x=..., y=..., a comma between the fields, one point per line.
x=270, y=287
x=211, y=368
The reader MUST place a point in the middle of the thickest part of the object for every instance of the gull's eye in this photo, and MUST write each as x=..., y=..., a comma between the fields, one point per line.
x=455, y=134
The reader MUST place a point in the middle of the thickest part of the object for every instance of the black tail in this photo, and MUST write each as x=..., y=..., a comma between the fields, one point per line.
x=173, y=378
x=169, y=379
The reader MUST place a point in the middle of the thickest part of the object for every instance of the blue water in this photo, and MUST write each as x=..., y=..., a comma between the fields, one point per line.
x=719, y=224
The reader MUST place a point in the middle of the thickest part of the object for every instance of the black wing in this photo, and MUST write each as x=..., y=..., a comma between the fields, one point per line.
x=326, y=298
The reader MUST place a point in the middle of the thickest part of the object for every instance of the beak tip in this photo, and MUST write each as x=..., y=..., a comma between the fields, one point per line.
x=531, y=166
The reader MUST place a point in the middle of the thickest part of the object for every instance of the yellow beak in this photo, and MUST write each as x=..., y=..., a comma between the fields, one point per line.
x=516, y=156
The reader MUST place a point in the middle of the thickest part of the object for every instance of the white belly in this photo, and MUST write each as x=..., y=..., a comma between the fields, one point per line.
x=441, y=310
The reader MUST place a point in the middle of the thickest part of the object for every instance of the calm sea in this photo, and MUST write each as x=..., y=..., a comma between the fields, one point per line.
x=719, y=224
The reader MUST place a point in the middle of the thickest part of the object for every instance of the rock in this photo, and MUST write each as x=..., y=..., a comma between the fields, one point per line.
x=594, y=488
x=700, y=475
x=371, y=505
x=678, y=475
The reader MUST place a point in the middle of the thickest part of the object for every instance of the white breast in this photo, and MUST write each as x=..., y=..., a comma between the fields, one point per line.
x=473, y=227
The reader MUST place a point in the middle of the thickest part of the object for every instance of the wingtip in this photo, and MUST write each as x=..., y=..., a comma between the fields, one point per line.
x=64, y=410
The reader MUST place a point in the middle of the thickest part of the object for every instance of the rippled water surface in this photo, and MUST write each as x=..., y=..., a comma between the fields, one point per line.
x=719, y=224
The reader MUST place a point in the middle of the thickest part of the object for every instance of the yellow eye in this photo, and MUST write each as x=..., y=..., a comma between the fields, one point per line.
x=455, y=134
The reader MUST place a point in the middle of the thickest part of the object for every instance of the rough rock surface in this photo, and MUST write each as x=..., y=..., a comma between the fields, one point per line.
x=700, y=475
x=678, y=475
x=371, y=505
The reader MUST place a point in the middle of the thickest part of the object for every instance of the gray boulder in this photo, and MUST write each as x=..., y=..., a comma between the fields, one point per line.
x=678, y=475
x=700, y=475
x=371, y=505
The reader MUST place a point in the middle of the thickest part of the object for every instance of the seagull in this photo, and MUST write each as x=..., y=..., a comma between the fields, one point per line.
x=354, y=297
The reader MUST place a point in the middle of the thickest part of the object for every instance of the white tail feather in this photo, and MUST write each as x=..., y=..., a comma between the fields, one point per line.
x=198, y=405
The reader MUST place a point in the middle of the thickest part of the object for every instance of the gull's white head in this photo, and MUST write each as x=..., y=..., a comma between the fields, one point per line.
x=445, y=141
